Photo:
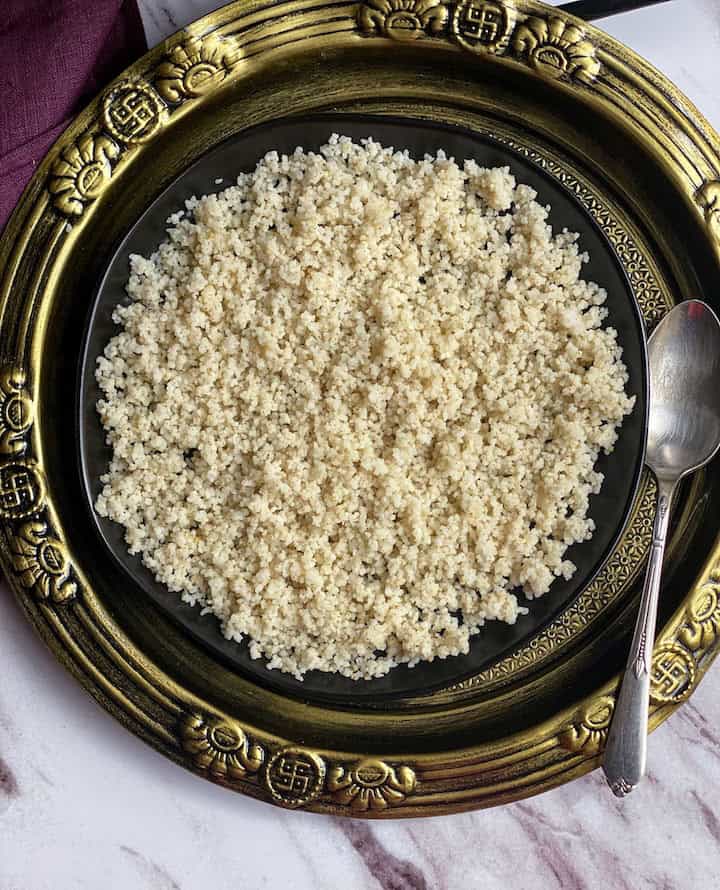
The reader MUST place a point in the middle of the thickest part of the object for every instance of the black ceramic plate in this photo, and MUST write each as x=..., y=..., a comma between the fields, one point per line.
x=622, y=469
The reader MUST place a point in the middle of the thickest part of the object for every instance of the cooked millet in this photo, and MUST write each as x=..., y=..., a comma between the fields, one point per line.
x=357, y=399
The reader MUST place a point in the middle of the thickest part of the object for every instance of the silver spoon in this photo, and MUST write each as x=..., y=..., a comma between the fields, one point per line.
x=683, y=435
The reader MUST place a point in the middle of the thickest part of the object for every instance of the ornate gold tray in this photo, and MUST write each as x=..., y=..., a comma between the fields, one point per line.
x=601, y=121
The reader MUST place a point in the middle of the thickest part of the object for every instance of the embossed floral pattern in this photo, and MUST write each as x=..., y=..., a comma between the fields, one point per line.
x=557, y=48
x=402, y=19
x=16, y=412
x=220, y=747
x=42, y=564
x=81, y=172
x=703, y=618
x=589, y=733
x=194, y=67
x=370, y=784
x=709, y=197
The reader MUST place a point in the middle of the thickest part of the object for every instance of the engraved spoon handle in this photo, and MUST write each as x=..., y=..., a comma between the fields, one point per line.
x=626, y=751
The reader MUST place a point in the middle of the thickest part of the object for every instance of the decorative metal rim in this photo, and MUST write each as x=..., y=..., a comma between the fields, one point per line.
x=169, y=81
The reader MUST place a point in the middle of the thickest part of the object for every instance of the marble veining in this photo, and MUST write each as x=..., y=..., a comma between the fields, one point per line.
x=158, y=18
x=163, y=17
x=8, y=782
x=390, y=871
x=157, y=876
x=83, y=804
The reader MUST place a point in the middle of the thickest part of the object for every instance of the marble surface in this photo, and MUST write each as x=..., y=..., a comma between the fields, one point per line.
x=83, y=804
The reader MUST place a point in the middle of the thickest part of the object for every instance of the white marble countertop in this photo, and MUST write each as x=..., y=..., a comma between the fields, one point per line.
x=83, y=804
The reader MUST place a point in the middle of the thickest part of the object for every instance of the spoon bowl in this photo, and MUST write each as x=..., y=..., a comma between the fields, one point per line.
x=684, y=421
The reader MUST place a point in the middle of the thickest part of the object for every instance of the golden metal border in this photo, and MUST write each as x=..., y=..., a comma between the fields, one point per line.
x=168, y=81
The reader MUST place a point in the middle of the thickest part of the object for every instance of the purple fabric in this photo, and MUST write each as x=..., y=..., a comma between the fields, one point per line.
x=55, y=55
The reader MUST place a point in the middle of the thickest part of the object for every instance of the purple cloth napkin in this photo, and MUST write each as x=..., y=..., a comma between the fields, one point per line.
x=55, y=55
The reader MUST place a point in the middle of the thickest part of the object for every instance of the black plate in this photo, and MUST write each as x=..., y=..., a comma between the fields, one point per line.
x=622, y=469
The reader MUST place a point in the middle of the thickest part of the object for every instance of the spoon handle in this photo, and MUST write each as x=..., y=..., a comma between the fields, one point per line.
x=626, y=750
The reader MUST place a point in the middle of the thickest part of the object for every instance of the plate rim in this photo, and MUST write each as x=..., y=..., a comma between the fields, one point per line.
x=215, y=744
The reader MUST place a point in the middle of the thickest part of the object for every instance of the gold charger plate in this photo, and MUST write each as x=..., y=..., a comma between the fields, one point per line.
x=588, y=111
